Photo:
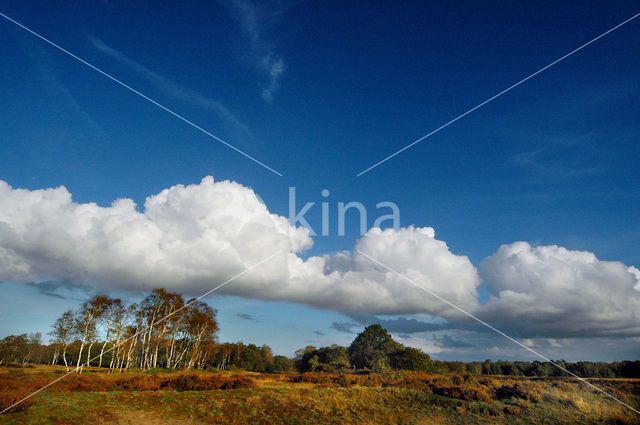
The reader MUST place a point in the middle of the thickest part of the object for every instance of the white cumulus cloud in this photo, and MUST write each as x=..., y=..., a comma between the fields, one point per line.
x=187, y=237
x=192, y=238
x=352, y=282
x=559, y=291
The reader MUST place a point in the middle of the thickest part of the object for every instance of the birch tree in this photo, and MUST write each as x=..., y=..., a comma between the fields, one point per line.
x=63, y=333
x=85, y=323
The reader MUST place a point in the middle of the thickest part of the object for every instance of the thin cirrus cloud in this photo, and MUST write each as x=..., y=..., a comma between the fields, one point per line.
x=191, y=238
x=246, y=316
x=52, y=288
x=400, y=325
x=535, y=160
x=49, y=74
x=170, y=88
x=254, y=21
x=346, y=327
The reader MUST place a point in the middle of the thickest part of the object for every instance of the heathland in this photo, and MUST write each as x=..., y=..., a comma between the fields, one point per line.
x=407, y=397
x=159, y=361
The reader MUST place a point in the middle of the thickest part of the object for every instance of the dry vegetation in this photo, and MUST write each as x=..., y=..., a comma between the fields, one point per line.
x=395, y=397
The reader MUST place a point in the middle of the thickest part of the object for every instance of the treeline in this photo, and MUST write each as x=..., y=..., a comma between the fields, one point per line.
x=163, y=330
x=584, y=369
x=238, y=356
x=375, y=350
x=166, y=331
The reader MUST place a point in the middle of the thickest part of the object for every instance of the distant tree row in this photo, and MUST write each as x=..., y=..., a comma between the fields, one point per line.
x=23, y=349
x=375, y=350
x=165, y=331
x=235, y=356
x=584, y=369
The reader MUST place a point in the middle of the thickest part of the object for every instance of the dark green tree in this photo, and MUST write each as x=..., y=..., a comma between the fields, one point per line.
x=325, y=359
x=281, y=364
x=303, y=358
x=333, y=358
x=372, y=349
x=409, y=358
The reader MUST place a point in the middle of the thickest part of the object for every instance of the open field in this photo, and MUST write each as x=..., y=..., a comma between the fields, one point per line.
x=322, y=398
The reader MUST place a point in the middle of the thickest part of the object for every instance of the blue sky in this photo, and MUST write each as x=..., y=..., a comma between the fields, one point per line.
x=319, y=92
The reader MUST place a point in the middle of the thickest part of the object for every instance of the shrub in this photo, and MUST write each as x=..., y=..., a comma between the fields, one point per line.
x=511, y=410
x=463, y=393
x=157, y=370
x=183, y=381
x=518, y=390
x=195, y=382
x=343, y=380
x=415, y=381
x=457, y=379
x=138, y=383
x=313, y=378
x=83, y=383
x=525, y=404
x=9, y=396
x=620, y=419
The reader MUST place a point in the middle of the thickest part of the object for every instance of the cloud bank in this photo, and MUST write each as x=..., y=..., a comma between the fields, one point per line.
x=191, y=238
